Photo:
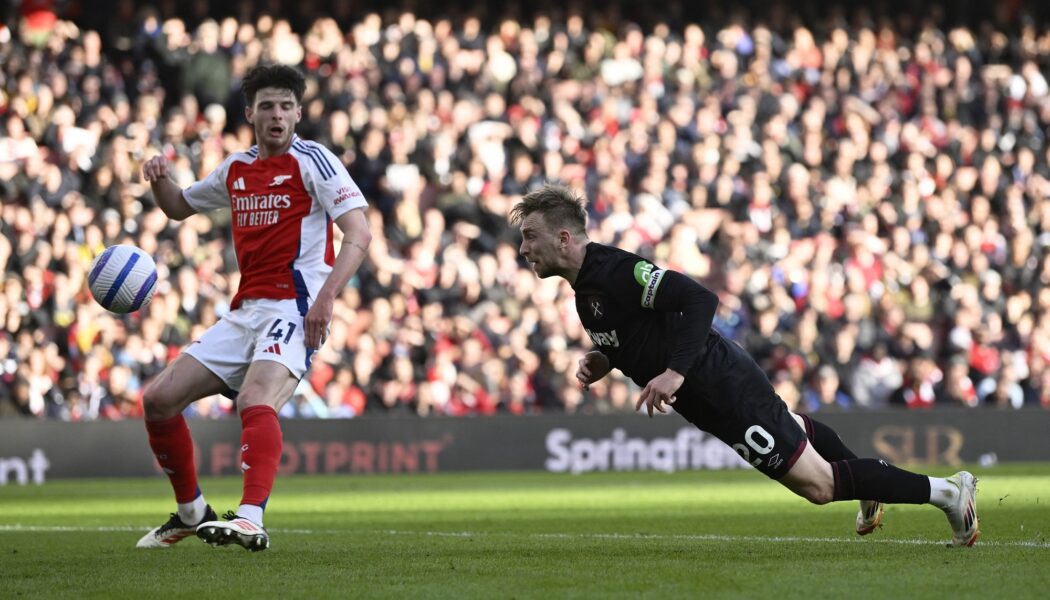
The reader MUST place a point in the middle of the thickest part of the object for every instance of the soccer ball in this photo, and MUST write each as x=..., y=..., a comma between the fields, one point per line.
x=122, y=279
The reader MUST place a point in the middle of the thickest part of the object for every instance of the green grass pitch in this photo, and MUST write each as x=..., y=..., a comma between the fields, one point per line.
x=526, y=535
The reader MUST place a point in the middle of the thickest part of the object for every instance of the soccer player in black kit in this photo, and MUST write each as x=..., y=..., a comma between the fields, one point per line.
x=654, y=325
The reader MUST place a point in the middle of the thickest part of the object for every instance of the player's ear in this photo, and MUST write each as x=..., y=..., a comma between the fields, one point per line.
x=565, y=238
x=249, y=114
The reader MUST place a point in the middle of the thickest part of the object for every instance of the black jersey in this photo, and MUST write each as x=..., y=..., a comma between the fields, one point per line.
x=647, y=319
x=643, y=318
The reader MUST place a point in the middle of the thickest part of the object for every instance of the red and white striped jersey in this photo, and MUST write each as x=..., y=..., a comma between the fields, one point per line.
x=282, y=213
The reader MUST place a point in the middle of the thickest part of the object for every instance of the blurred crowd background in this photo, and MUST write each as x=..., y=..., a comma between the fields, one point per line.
x=866, y=188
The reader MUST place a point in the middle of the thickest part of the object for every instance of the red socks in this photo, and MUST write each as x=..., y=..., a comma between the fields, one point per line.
x=261, y=443
x=172, y=445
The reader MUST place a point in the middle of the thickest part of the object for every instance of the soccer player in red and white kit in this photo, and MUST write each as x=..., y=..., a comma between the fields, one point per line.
x=284, y=194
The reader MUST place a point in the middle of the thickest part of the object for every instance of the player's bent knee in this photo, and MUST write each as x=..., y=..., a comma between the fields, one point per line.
x=811, y=477
x=267, y=384
x=160, y=401
x=815, y=492
x=818, y=495
x=255, y=396
x=168, y=395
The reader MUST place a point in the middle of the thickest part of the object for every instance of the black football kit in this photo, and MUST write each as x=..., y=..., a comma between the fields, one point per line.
x=646, y=320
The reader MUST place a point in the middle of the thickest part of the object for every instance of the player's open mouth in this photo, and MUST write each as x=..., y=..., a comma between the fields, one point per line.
x=276, y=131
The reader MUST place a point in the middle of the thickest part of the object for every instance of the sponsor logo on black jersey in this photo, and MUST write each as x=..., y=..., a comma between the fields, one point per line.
x=604, y=338
x=643, y=271
x=648, y=276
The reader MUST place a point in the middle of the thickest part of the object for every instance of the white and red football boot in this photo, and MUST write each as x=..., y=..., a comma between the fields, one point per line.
x=173, y=531
x=234, y=530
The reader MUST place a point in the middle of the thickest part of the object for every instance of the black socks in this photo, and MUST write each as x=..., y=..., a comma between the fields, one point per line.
x=825, y=441
x=865, y=478
x=873, y=479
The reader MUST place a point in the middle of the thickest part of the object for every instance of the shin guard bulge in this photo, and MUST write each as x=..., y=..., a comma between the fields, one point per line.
x=173, y=447
x=261, y=442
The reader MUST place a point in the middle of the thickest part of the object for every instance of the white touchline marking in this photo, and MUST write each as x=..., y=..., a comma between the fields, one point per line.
x=66, y=528
x=700, y=537
x=709, y=538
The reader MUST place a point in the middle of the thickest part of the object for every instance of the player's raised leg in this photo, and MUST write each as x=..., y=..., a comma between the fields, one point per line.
x=267, y=386
x=831, y=448
x=185, y=381
x=820, y=482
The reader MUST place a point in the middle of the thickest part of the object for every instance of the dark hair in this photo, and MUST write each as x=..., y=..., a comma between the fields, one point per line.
x=561, y=208
x=276, y=76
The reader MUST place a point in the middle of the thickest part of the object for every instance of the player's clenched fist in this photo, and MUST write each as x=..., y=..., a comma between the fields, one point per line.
x=155, y=169
x=593, y=366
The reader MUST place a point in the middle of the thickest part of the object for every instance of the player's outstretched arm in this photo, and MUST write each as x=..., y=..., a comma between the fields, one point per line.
x=168, y=195
x=593, y=366
x=356, y=238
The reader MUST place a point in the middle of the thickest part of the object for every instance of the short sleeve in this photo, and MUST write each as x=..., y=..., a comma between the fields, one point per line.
x=327, y=180
x=210, y=193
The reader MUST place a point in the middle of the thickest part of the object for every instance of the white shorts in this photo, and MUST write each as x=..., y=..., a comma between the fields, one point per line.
x=258, y=330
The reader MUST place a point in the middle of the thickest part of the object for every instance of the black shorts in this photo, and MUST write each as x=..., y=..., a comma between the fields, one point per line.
x=736, y=403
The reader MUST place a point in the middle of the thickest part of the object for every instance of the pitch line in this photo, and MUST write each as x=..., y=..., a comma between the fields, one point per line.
x=710, y=538
x=702, y=537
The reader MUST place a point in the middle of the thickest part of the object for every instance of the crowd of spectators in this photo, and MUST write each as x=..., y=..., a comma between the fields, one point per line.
x=866, y=189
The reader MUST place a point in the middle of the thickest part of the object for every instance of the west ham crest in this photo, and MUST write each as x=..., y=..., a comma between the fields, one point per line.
x=596, y=307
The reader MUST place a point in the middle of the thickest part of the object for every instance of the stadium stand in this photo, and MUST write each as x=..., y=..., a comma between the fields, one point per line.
x=865, y=187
